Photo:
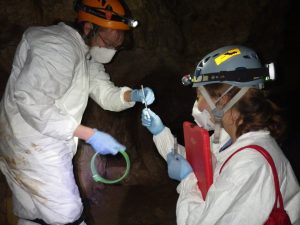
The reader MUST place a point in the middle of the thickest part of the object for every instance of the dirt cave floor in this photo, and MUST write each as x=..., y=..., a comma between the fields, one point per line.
x=133, y=205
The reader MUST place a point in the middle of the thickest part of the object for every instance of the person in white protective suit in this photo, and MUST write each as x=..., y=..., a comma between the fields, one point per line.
x=228, y=82
x=54, y=72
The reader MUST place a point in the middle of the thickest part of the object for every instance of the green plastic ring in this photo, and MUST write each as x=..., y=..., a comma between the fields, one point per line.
x=98, y=178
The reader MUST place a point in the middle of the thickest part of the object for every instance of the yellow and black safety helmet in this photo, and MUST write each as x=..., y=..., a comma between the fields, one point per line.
x=105, y=13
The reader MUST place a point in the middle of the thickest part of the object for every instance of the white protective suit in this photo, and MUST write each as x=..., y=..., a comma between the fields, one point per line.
x=244, y=193
x=44, y=101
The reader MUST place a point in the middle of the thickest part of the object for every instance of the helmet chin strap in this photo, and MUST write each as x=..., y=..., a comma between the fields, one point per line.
x=219, y=113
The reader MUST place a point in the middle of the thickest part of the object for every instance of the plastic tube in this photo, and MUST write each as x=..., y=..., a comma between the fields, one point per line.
x=98, y=178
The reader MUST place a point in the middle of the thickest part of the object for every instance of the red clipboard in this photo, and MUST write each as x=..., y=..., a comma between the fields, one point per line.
x=197, y=146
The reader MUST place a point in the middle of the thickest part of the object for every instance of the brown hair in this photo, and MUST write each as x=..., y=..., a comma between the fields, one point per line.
x=257, y=111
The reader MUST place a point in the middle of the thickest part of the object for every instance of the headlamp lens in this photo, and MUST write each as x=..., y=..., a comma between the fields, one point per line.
x=186, y=80
x=133, y=23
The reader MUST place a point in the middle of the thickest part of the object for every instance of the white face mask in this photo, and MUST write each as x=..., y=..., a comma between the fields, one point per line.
x=203, y=119
x=102, y=55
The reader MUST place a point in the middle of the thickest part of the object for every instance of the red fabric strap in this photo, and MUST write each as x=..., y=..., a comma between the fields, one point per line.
x=268, y=157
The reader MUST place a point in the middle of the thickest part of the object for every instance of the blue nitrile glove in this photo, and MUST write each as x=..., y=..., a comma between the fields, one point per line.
x=178, y=166
x=152, y=121
x=104, y=144
x=137, y=95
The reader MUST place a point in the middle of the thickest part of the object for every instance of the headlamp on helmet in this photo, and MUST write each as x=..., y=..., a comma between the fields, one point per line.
x=235, y=65
x=105, y=13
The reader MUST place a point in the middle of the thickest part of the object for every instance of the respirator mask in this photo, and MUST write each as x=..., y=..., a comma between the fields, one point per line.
x=202, y=118
x=102, y=55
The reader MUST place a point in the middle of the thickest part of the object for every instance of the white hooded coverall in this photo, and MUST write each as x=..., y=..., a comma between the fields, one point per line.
x=244, y=193
x=44, y=101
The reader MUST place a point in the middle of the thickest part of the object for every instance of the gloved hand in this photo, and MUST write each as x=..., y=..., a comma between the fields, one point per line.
x=152, y=121
x=178, y=166
x=137, y=95
x=104, y=144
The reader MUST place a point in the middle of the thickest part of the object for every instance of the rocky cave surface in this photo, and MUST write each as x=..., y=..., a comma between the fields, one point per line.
x=171, y=38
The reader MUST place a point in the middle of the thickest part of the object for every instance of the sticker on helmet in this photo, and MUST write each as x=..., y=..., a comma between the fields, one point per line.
x=227, y=55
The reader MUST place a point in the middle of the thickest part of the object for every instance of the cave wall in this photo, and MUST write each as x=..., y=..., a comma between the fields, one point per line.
x=172, y=36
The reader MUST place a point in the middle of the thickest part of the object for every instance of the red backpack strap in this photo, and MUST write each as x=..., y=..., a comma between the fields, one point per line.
x=265, y=153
